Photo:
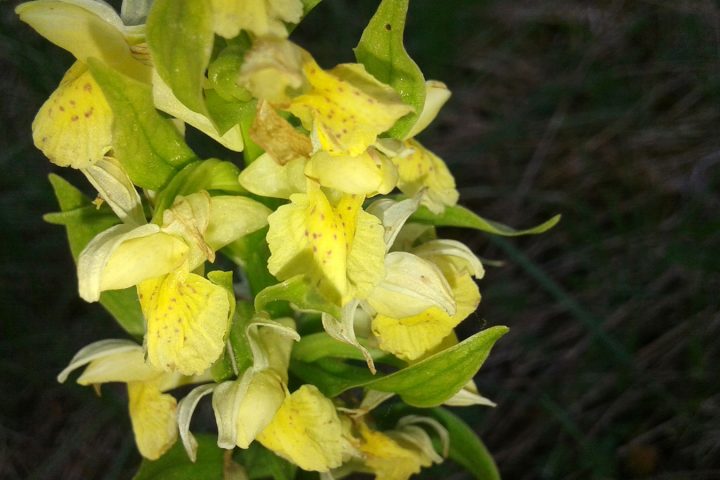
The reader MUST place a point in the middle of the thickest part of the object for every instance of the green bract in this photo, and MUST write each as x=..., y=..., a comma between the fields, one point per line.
x=277, y=283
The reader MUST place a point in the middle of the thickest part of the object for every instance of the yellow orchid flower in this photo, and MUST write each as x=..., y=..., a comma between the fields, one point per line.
x=266, y=177
x=260, y=17
x=346, y=107
x=410, y=337
x=245, y=406
x=307, y=431
x=368, y=174
x=152, y=412
x=388, y=459
x=195, y=227
x=436, y=94
x=186, y=314
x=73, y=127
x=337, y=245
x=272, y=70
x=421, y=170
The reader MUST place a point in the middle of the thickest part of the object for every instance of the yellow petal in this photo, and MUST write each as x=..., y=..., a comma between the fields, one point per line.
x=347, y=107
x=367, y=174
x=124, y=367
x=124, y=255
x=232, y=217
x=74, y=126
x=306, y=430
x=187, y=318
x=87, y=29
x=339, y=247
x=453, y=252
x=272, y=69
x=268, y=178
x=277, y=137
x=422, y=169
x=141, y=258
x=387, y=458
x=188, y=219
x=152, y=414
x=111, y=181
x=261, y=17
x=307, y=237
x=97, y=351
x=436, y=94
x=411, y=337
x=410, y=286
x=366, y=256
x=245, y=407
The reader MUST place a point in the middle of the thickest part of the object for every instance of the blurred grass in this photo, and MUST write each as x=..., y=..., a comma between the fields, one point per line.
x=606, y=112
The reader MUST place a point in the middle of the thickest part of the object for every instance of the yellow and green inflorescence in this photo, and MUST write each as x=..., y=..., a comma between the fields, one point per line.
x=348, y=300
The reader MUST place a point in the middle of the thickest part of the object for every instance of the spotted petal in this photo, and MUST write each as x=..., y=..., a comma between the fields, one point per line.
x=152, y=414
x=422, y=169
x=347, y=108
x=306, y=430
x=74, y=126
x=307, y=237
x=187, y=319
x=389, y=459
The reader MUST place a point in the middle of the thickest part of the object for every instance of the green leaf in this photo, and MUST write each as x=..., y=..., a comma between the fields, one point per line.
x=180, y=36
x=466, y=448
x=427, y=383
x=252, y=150
x=300, y=293
x=458, y=216
x=227, y=113
x=212, y=175
x=315, y=346
x=383, y=54
x=82, y=222
x=259, y=462
x=223, y=73
x=175, y=464
x=331, y=375
x=238, y=338
x=148, y=145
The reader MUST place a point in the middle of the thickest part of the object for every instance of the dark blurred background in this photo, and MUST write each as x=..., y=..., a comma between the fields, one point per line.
x=604, y=111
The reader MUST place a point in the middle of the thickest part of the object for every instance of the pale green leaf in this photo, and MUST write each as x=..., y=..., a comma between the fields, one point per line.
x=457, y=216
x=147, y=145
x=180, y=37
x=382, y=52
